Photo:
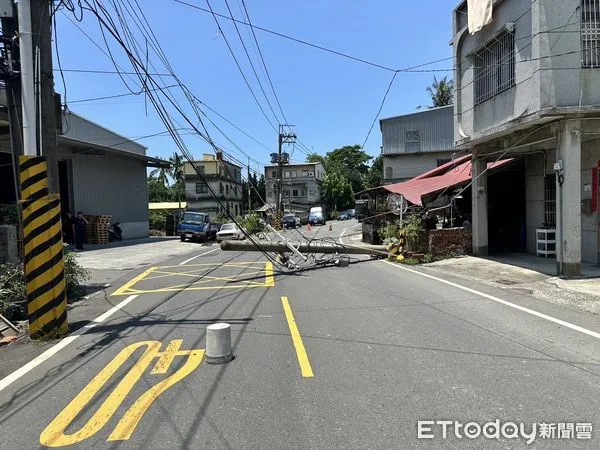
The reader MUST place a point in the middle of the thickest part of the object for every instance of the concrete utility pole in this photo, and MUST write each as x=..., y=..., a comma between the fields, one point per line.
x=249, y=191
x=284, y=138
x=42, y=246
x=41, y=25
x=27, y=85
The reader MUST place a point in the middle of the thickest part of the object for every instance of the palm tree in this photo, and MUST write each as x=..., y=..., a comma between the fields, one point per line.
x=441, y=92
x=175, y=172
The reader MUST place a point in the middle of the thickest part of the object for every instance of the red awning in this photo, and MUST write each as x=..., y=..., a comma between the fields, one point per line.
x=414, y=189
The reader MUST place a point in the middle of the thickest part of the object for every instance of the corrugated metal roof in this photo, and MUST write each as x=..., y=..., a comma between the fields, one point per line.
x=413, y=190
x=80, y=129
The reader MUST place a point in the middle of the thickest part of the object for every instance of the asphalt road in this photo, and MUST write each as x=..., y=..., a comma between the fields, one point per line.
x=338, y=357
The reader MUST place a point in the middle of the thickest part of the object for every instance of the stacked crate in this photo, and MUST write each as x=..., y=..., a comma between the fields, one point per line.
x=96, y=231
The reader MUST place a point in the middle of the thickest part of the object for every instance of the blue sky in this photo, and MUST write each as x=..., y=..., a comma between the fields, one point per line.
x=331, y=100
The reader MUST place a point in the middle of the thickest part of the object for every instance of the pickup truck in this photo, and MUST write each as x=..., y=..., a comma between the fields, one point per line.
x=195, y=226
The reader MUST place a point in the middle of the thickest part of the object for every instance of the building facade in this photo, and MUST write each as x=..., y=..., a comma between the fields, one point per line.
x=415, y=143
x=223, y=177
x=99, y=173
x=526, y=86
x=301, y=186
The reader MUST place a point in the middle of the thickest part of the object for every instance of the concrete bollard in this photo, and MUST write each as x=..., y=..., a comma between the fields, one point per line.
x=218, y=343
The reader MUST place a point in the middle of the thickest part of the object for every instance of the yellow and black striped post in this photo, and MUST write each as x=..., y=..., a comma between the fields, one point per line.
x=42, y=251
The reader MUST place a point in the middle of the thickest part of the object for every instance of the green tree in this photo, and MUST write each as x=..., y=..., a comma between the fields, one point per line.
x=157, y=191
x=337, y=191
x=441, y=92
x=375, y=176
x=316, y=158
x=350, y=161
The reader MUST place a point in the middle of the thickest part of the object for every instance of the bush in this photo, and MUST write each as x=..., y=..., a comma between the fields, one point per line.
x=158, y=220
x=252, y=224
x=12, y=291
x=13, y=295
x=75, y=274
x=157, y=233
x=9, y=214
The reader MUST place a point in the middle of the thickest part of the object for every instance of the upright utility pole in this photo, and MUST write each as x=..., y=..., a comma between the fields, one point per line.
x=249, y=191
x=41, y=23
x=284, y=138
x=27, y=85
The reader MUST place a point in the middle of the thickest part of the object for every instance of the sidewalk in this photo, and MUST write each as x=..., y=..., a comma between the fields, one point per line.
x=503, y=272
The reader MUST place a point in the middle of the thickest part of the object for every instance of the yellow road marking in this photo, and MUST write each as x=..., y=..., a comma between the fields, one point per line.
x=123, y=289
x=55, y=433
x=297, y=340
x=236, y=280
x=134, y=414
x=269, y=279
x=241, y=265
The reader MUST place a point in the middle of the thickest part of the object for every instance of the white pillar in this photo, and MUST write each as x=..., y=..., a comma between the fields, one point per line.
x=479, y=206
x=568, y=200
x=27, y=86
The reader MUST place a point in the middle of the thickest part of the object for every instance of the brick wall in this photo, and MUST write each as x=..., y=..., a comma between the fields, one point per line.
x=450, y=240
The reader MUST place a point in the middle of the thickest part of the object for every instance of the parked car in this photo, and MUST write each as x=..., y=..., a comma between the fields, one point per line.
x=194, y=226
x=230, y=231
x=317, y=216
x=289, y=221
x=351, y=213
x=343, y=216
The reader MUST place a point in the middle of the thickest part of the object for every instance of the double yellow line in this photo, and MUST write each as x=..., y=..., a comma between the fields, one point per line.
x=305, y=367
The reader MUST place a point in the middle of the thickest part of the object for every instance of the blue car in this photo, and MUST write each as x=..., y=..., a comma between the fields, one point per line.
x=343, y=216
x=195, y=226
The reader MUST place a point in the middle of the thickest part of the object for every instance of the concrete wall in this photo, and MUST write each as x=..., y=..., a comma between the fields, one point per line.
x=548, y=69
x=404, y=167
x=110, y=185
x=205, y=202
x=561, y=81
x=473, y=120
x=534, y=193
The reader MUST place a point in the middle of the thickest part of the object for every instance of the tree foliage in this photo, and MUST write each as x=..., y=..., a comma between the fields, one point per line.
x=441, y=92
x=337, y=192
x=375, y=175
x=344, y=166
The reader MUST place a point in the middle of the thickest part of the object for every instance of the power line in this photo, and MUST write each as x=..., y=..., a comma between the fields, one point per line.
x=126, y=94
x=109, y=72
x=300, y=41
x=239, y=67
x=250, y=61
x=263, y=61
x=379, y=110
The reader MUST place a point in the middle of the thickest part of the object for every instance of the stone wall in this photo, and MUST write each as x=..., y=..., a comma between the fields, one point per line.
x=450, y=240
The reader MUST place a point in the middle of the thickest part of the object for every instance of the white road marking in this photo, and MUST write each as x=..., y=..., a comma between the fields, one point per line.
x=341, y=234
x=198, y=256
x=504, y=302
x=9, y=379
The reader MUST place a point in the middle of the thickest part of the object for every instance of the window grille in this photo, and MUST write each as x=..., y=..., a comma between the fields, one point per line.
x=590, y=33
x=495, y=67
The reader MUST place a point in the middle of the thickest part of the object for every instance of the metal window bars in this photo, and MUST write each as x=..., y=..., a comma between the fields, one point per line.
x=590, y=33
x=550, y=200
x=495, y=67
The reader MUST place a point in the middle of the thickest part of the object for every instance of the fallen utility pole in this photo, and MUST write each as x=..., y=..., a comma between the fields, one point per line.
x=276, y=247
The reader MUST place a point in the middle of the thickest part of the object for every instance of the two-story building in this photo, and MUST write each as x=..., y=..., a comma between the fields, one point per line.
x=415, y=143
x=301, y=186
x=224, y=178
x=527, y=86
